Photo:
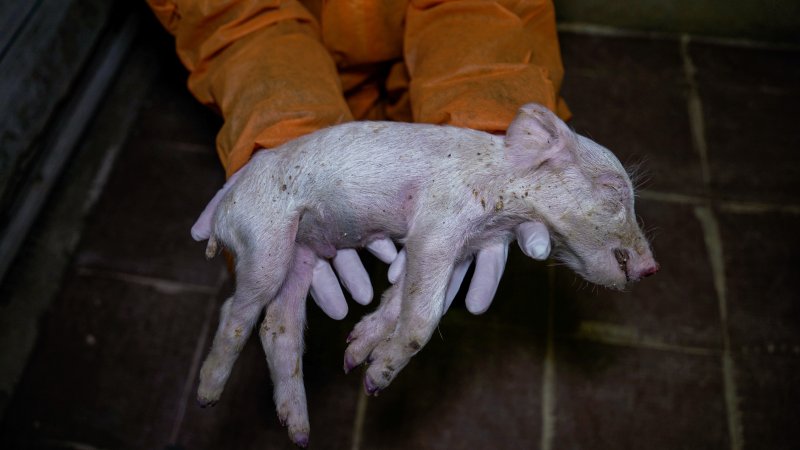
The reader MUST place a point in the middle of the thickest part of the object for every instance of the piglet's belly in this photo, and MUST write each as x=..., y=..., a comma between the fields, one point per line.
x=325, y=236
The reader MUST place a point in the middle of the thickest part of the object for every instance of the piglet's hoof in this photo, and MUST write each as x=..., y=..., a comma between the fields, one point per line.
x=349, y=363
x=370, y=387
x=300, y=439
x=205, y=403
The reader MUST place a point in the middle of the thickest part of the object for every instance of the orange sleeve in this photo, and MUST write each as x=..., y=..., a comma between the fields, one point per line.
x=472, y=63
x=261, y=65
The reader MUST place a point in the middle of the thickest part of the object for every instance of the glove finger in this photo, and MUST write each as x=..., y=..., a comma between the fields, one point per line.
x=455, y=282
x=353, y=275
x=201, y=230
x=383, y=249
x=398, y=267
x=534, y=240
x=326, y=291
x=489, y=266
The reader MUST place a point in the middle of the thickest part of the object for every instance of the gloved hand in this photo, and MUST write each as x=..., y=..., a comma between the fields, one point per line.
x=532, y=237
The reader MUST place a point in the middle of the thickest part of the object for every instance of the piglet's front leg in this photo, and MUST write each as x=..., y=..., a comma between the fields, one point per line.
x=431, y=259
x=374, y=328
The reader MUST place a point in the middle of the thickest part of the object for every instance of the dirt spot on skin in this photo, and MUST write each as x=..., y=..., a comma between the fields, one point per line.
x=483, y=203
x=414, y=345
x=386, y=375
x=237, y=332
x=283, y=187
x=281, y=329
x=296, y=371
x=498, y=206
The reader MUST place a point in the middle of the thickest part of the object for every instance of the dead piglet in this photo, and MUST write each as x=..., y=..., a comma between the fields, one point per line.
x=443, y=192
x=575, y=186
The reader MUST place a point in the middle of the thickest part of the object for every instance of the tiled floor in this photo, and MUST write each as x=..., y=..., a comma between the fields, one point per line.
x=704, y=355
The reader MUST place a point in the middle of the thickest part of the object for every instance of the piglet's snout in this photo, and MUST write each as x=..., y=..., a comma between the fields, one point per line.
x=650, y=270
x=643, y=267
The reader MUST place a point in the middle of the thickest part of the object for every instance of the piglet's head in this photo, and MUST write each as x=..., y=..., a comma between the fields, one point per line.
x=580, y=190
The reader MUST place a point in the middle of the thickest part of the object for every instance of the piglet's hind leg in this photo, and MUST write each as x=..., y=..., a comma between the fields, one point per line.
x=260, y=272
x=281, y=335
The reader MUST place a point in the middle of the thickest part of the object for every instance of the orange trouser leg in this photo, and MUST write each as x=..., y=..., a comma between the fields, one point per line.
x=262, y=65
x=473, y=63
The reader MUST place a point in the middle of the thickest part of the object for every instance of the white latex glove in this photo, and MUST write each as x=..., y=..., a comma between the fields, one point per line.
x=533, y=239
x=325, y=289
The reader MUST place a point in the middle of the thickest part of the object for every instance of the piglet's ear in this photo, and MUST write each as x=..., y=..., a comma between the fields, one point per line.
x=535, y=136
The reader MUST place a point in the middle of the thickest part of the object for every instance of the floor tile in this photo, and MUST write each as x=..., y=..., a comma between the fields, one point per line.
x=245, y=416
x=750, y=100
x=749, y=68
x=109, y=368
x=752, y=139
x=630, y=95
x=768, y=395
x=170, y=113
x=761, y=263
x=521, y=298
x=446, y=397
x=141, y=223
x=472, y=386
x=677, y=306
x=610, y=397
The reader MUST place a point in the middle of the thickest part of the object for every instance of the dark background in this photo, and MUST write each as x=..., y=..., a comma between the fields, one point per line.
x=108, y=307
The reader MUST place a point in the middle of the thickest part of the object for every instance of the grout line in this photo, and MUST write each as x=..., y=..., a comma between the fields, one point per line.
x=671, y=197
x=194, y=367
x=695, y=108
x=101, y=176
x=358, y=422
x=610, y=31
x=620, y=335
x=713, y=240
x=757, y=208
x=549, y=371
x=161, y=285
x=646, y=343
x=731, y=206
x=711, y=234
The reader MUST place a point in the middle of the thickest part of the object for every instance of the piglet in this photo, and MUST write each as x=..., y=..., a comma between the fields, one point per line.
x=442, y=192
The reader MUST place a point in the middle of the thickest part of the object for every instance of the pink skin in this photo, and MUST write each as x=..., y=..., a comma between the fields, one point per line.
x=445, y=193
x=281, y=334
x=533, y=239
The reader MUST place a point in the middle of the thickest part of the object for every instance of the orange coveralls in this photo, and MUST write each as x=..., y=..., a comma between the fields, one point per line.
x=279, y=69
